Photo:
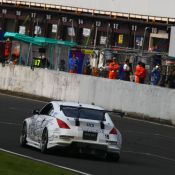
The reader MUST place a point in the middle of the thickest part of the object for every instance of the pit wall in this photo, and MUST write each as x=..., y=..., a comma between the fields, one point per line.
x=144, y=100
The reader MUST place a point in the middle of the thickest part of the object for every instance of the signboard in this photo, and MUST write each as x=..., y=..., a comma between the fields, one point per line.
x=139, y=41
x=86, y=32
x=87, y=51
x=37, y=30
x=71, y=31
x=54, y=28
x=171, y=52
x=120, y=39
x=103, y=40
x=22, y=30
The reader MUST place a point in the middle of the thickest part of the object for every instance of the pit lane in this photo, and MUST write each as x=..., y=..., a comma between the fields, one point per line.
x=147, y=148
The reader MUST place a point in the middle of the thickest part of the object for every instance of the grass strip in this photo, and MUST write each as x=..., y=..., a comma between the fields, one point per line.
x=15, y=165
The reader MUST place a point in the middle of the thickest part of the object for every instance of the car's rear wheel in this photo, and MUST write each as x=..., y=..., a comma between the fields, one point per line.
x=44, y=141
x=23, y=135
x=113, y=157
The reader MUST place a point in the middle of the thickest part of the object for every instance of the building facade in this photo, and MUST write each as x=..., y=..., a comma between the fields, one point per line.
x=88, y=27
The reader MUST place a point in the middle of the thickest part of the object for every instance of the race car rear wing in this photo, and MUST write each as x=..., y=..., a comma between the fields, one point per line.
x=118, y=112
x=77, y=123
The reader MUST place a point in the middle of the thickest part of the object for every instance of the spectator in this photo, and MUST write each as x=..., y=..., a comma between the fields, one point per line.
x=121, y=72
x=87, y=67
x=73, y=64
x=95, y=72
x=44, y=62
x=104, y=70
x=138, y=72
x=113, y=68
x=142, y=73
x=127, y=70
x=62, y=66
x=155, y=75
x=171, y=80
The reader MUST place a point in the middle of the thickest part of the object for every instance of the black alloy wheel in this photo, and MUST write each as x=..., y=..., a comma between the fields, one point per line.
x=44, y=141
x=113, y=157
x=23, y=135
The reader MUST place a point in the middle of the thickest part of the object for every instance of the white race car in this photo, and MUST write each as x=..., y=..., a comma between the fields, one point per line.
x=62, y=124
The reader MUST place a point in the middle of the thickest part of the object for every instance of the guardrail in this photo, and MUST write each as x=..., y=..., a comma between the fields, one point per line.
x=145, y=101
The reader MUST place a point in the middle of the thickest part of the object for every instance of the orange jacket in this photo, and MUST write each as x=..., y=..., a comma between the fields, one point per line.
x=113, y=67
x=138, y=73
x=138, y=70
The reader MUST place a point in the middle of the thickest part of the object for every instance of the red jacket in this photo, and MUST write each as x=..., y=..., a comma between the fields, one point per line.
x=142, y=72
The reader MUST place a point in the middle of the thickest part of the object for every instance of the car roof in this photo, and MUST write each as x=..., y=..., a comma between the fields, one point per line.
x=75, y=104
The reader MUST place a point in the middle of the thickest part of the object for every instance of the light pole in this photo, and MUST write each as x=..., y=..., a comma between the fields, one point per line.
x=107, y=38
x=72, y=32
x=143, y=42
x=95, y=38
x=134, y=29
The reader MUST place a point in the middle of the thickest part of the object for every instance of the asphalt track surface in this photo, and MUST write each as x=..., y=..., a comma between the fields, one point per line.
x=147, y=148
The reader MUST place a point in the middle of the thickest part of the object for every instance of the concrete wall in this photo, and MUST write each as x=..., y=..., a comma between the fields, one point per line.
x=146, y=100
x=163, y=8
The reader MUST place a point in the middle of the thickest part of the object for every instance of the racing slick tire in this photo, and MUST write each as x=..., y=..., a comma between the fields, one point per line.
x=113, y=157
x=23, y=135
x=44, y=141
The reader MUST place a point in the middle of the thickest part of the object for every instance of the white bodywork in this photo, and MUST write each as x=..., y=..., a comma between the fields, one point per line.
x=111, y=143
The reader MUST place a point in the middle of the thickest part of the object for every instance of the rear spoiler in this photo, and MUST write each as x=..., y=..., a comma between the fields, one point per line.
x=77, y=122
x=118, y=112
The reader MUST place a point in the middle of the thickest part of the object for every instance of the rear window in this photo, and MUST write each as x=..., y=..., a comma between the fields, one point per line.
x=84, y=113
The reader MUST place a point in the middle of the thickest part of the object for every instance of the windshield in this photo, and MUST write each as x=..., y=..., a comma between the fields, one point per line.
x=83, y=113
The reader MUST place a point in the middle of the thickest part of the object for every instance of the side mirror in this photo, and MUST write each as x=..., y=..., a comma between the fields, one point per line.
x=35, y=111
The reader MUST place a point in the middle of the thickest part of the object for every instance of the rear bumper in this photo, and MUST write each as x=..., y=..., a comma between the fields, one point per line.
x=99, y=147
x=88, y=146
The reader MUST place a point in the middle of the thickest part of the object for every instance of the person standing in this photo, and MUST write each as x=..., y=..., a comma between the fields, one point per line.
x=126, y=70
x=138, y=72
x=121, y=72
x=142, y=73
x=171, y=80
x=113, y=68
x=87, y=67
x=155, y=75
x=73, y=64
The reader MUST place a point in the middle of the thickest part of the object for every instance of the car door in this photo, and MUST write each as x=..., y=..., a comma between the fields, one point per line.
x=42, y=120
x=38, y=122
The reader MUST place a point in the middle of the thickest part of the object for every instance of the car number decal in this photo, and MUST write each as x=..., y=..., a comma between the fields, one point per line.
x=90, y=124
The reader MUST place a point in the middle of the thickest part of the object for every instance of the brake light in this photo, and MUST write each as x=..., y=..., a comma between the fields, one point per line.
x=113, y=131
x=62, y=124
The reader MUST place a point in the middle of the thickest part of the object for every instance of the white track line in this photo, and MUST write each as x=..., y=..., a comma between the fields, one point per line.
x=150, y=122
x=150, y=155
x=45, y=162
x=145, y=133
x=25, y=98
x=9, y=123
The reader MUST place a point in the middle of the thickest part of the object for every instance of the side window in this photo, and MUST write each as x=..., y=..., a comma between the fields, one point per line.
x=47, y=109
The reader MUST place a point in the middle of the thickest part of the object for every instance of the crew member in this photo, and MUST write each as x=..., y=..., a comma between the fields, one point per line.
x=138, y=72
x=113, y=68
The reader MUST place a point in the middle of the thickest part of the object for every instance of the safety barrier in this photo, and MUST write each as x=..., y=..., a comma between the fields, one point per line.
x=144, y=100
